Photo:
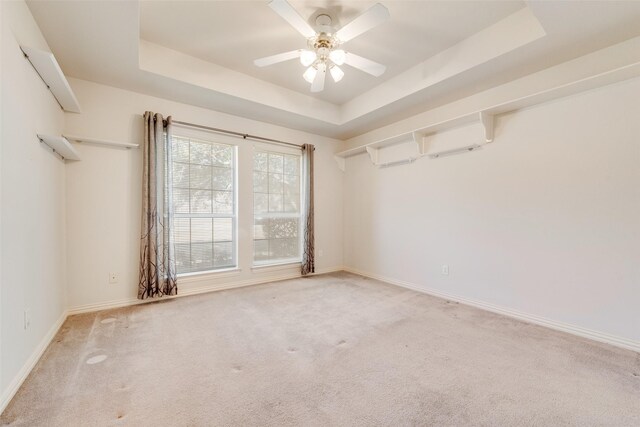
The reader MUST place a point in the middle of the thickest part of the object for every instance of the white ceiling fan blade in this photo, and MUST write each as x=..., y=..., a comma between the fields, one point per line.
x=280, y=57
x=364, y=64
x=318, y=81
x=370, y=18
x=289, y=14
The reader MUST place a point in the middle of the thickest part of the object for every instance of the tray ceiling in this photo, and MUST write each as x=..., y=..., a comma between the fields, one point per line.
x=436, y=52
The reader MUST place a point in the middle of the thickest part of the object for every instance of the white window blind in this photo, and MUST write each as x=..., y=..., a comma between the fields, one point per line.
x=204, y=202
x=276, y=207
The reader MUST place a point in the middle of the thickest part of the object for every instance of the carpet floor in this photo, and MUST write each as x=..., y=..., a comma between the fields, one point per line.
x=329, y=350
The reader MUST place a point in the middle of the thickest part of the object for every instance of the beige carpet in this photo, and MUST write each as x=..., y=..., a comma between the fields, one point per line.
x=332, y=350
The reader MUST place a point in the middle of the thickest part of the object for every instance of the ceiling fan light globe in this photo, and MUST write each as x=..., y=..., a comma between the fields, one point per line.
x=310, y=74
x=337, y=56
x=336, y=73
x=307, y=57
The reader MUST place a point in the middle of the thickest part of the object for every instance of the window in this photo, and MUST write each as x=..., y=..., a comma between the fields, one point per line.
x=204, y=202
x=276, y=207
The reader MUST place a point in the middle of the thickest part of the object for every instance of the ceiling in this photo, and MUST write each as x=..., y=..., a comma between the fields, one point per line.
x=233, y=34
x=201, y=53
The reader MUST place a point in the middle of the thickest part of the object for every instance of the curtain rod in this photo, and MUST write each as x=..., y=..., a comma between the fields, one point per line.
x=230, y=132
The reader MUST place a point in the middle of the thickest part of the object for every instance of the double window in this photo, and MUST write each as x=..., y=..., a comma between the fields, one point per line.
x=205, y=200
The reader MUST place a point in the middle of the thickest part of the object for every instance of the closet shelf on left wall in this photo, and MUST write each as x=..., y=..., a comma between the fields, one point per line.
x=50, y=72
x=61, y=146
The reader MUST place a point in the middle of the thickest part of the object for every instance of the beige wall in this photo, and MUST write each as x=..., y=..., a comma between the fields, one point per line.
x=32, y=208
x=104, y=193
x=544, y=221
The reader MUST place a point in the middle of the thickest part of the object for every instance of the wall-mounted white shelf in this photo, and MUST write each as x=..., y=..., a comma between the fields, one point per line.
x=61, y=146
x=48, y=69
x=117, y=144
x=486, y=117
x=418, y=136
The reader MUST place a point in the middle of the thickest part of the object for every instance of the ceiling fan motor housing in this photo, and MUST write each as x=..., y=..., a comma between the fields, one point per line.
x=323, y=24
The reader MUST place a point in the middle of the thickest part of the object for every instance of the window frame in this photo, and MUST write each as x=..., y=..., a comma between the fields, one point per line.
x=219, y=139
x=277, y=149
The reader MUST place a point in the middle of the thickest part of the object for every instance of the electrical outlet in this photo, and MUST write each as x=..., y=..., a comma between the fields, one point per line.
x=114, y=278
x=27, y=319
x=320, y=253
x=445, y=269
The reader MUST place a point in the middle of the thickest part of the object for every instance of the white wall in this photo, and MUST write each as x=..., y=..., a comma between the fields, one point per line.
x=544, y=221
x=33, y=204
x=104, y=196
x=2, y=37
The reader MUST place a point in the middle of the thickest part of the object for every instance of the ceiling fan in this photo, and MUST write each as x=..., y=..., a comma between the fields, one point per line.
x=323, y=51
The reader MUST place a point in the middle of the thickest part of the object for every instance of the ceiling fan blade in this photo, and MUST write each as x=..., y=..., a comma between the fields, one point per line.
x=274, y=59
x=318, y=81
x=289, y=14
x=370, y=18
x=364, y=64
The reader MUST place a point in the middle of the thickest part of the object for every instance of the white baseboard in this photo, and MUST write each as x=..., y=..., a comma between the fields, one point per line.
x=516, y=314
x=22, y=375
x=239, y=284
x=88, y=308
x=328, y=270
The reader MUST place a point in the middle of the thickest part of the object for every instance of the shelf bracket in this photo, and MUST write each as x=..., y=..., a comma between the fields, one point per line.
x=487, y=121
x=421, y=143
x=53, y=150
x=373, y=154
x=341, y=162
x=60, y=146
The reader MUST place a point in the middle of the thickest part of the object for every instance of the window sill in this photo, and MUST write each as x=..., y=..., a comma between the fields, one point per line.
x=214, y=274
x=276, y=267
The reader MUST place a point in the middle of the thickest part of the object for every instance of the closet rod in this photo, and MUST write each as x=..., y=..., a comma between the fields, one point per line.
x=230, y=132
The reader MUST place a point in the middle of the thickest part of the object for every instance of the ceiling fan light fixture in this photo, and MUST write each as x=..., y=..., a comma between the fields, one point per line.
x=323, y=51
x=336, y=73
x=310, y=74
x=307, y=57
x=337, y=56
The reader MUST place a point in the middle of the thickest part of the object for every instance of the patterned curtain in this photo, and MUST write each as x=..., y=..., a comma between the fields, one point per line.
x=308, y=258
x=157, y=260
